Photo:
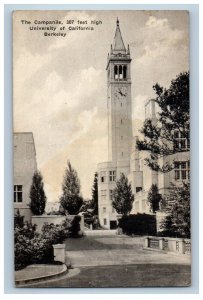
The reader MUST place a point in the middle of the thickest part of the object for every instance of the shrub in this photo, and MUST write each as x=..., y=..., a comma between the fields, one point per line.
x=18, y=219
x=139, y=224
x=32, y=247
x=75, y=227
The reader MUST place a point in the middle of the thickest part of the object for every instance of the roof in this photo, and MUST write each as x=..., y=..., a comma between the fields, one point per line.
x=118, y=44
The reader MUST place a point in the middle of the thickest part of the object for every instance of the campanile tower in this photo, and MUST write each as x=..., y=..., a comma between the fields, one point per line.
x=119, y=128
x=119, y=100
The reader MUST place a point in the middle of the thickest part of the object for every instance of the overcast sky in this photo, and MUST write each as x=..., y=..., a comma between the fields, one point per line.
x=60, y=83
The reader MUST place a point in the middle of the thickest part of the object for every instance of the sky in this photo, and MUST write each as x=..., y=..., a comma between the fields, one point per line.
x=60, y=90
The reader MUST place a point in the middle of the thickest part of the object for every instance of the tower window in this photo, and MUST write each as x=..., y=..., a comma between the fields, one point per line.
x=124, y=72
x=120, y=72
x=121, y=137
x=104, y=209
x=122, y=154
x=18, y=193
x=115, y=72
x=105, y=221
x=121, y=121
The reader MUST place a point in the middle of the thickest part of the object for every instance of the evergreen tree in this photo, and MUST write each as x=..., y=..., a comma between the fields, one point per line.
x=71, y=200
x=154, y=198
x=173, y=119
x=177, y=222
x=94, y=203
x=122, y=196
x=37, y=194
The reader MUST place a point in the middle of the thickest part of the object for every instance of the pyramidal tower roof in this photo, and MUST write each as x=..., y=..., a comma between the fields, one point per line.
x=118, y=44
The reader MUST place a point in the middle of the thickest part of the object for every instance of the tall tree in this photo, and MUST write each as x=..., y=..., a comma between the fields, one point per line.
x=94, y=203
x=71, y=199
x=172, y=121
x=37, y=194
x=154, y=198
x=122, y=196
x=177, y=222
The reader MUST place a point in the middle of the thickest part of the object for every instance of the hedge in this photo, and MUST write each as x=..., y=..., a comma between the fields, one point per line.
x=139, y=224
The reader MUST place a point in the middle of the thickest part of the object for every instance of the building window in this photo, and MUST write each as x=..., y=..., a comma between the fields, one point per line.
x=104, y=209
x=121, y=137
x=103, y=194
x=181, y=141
x=121, y=121
x=18, y=193
x=112, y=176
x=103, y=176
x=105, y=221
x=138, y=189
x=182, y=170
x=111, y=195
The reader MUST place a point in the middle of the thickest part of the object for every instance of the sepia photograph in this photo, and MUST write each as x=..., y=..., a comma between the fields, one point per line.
x=101, y=148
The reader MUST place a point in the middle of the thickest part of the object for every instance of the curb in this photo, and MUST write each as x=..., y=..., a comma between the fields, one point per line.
x=18, y=283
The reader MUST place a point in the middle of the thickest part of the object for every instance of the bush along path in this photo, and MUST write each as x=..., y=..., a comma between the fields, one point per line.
x=31, y=247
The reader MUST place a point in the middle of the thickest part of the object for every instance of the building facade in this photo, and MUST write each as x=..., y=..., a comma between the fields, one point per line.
x=25, y=165
x=123, y=155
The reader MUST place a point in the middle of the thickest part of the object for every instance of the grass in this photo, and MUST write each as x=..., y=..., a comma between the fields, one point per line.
x=142, y=275
x=91, y=243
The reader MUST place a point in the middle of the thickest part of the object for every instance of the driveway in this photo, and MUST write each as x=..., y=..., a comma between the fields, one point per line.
x=116, y=250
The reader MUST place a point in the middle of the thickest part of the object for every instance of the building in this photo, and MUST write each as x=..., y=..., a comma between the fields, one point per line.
x=123, y=156
x=24, y=167
x=119, y=127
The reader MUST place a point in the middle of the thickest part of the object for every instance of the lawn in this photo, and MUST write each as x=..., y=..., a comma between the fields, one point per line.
x=100, y=243
x=141, y=275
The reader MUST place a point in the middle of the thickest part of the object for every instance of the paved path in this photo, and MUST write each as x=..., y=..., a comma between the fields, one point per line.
x=104, y=251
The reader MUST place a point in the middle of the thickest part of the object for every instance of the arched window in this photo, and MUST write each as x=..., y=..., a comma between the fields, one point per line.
x=120, y=72
x=115, y=72
x=124, y=72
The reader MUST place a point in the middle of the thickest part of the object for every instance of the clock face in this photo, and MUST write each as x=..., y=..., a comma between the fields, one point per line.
x=120, y=92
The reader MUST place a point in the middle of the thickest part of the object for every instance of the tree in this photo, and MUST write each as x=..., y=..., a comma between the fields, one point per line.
x=71, y=199
x=154, y=198
x=122, y=196
x=177, y=222
x=94, y=201
x=37, y=194
x=172, y=120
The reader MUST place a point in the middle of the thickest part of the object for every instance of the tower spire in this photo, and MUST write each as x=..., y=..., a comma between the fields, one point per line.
x=118, y=45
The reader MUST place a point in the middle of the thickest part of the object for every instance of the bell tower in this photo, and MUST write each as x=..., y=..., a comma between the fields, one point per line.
x=119, y=100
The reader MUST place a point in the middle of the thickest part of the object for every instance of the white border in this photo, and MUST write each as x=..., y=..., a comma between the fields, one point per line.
x=142, y=296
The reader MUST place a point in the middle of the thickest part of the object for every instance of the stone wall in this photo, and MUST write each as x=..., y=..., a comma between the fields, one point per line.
x=53, y=219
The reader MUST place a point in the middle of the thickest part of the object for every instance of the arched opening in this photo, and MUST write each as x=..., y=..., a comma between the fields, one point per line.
x=120, y=72
x=125, y=72
x=115, y=72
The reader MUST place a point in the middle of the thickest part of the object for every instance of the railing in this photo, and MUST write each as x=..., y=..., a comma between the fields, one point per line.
x=154, y=243
x=181, y=246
